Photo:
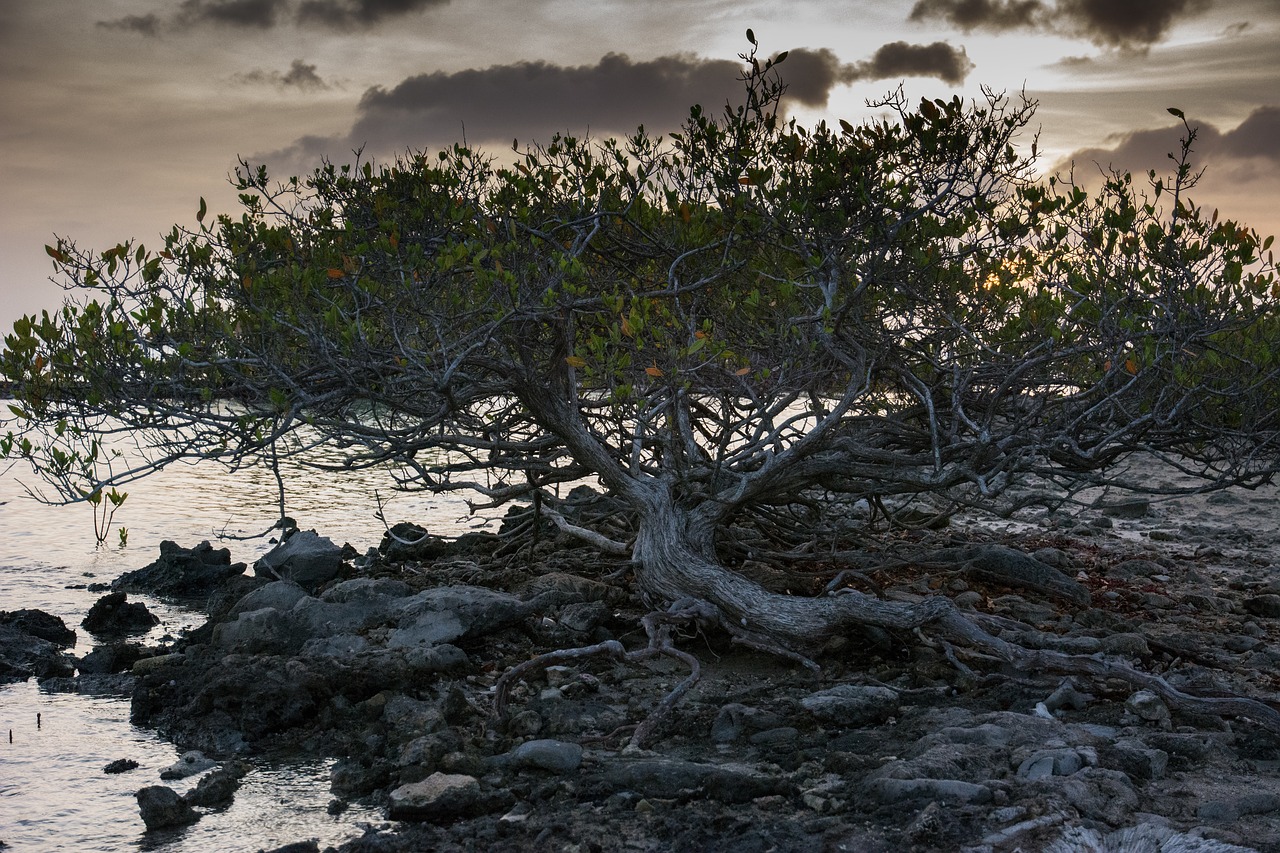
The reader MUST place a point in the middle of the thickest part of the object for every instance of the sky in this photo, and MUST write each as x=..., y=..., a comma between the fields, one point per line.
x=118, y=116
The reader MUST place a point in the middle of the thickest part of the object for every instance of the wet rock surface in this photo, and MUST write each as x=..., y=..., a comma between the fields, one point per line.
x=389, y=668
x=33, y=644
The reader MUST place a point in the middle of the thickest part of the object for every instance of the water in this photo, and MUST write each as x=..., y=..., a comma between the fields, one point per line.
x=53, y=793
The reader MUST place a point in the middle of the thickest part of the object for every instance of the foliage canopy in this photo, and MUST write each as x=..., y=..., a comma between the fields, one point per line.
x=736, y=329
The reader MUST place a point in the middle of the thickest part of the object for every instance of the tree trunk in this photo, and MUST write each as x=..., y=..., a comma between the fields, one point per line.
x=675, y=553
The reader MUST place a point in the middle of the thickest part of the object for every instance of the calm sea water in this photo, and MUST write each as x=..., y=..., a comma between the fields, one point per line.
x=53, y=793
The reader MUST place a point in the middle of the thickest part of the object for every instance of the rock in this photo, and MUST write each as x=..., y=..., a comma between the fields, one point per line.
x=309, y=846
x=674, y=779
x=1228, y=811
x=305, y=557
x=852, y=704
x=1124, y=508
x=1138, y=839
x=161, y=807
x=1004, y=565
x=1134, y=758
x=944, y=790
x=777, y=738
x=112, y=657
x=728, y=724
x=114, y=615
x=1128, y=645
x=441, y=797
x=554, y=756
x=182, y=572
x=37, y=623
x=219, y=787
x=1150, y=708
x=1129, y=569
x=121, y=765
x=584, y=616
x=407, y=541
x=1067, y=696
x=23, y=655
x=1051, y=762
x=1267, y=606
x=191, y=763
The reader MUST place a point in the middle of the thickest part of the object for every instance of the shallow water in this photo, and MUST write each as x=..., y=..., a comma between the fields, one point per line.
x=53, y=793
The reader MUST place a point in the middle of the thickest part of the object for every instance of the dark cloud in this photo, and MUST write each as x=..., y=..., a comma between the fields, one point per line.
x=971, y=15
x=900, y=59
x=147, y=25
x=1258, y=136
x=1133, y=24
x=536, y=99
x=247, y=14
x=300, y=75
x=266, y=14
x=340, y=14
x=812, y=74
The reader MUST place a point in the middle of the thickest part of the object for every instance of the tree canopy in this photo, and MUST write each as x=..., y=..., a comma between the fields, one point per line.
x=741, y=330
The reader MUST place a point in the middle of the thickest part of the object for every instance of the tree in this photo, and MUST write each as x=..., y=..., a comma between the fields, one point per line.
x=743, y=331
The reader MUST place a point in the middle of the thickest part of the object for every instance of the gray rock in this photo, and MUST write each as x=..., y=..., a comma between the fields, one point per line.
x=446, y=614
x=944, y=790
x=669, y=778
x=852, y=704
x=1128, y=645
x=1067, y=696
x=554, y=756
x=306, y=558
x=1051, y=762
x=1150, y=708
x=729, y=723
x=1125, y=508
x=161, y=808
x=439, y=798
x=219, y=787
x=1134, y=758
x=23, y=656
x=189, y=764
x=783, y=736
x=1227, y=811
x=1143, y=838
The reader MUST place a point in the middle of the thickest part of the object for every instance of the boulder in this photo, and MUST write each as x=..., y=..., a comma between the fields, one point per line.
x=219, y=787
x=306, y=558
x=161, y=808
x=441, y=797
x=191, y=763
x=852, y=704
x=23, y=655
x=182, y=572
x=114, y=615
x=37, y=623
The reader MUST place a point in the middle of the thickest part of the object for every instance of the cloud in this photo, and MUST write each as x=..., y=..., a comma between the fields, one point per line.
x=537, y=99
x=341, y=14
x=1135, y=24
x=147, y=25
x=268, y=14
x=900, y=59
x=300, y=75
x=969, y=15
x=247, y=14
x=1253, y=147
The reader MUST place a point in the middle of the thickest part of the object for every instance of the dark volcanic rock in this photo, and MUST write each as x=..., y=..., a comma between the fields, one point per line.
x=182, y=572
x=23, y=655
x=114, y=615
x=219, y=787
x=121, y=765
x=113, y=657
x=37, y=623
x=406, y=541
x=161, y=807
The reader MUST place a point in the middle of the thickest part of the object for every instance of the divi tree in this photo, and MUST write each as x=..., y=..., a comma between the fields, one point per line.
x=740, y=331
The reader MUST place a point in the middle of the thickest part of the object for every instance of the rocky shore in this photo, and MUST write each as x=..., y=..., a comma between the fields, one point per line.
x=388, y=661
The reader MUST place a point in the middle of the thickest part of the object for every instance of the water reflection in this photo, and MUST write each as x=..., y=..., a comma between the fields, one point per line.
x=53, y=793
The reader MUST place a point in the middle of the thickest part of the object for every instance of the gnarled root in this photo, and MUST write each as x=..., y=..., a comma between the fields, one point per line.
x=659, y=626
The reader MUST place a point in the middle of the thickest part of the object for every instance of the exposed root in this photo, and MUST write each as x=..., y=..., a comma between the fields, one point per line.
x=659, y=626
